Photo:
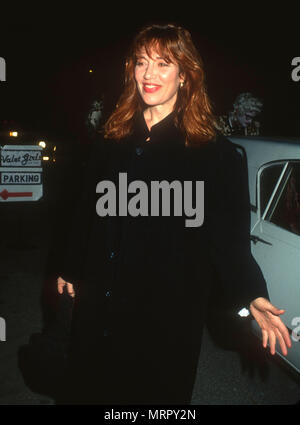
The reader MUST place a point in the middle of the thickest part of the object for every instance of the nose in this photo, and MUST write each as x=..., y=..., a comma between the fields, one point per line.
x=149, y=71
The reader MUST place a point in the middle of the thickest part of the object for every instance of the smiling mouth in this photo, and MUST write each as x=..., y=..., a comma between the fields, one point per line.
x=151, y=88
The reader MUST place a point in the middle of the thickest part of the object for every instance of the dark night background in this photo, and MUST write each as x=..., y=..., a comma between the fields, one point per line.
x=49, y=89
x=48, y=60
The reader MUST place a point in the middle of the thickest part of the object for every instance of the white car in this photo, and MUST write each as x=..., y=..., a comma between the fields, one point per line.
x=274, y=185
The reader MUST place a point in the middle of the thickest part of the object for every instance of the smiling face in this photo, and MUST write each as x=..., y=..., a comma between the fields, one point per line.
x=157, y=80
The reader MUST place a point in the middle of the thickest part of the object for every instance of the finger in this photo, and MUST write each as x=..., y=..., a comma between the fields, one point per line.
x=60, y=287
x=70, y=289
x=265, y=338
x=286, y=337
x=275, y=310
x=282, y=329
x=281, y=342
x=272, y=342
x=265, y=306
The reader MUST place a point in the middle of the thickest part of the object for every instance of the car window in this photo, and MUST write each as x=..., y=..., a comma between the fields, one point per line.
x=285, y=211
x=268, y=179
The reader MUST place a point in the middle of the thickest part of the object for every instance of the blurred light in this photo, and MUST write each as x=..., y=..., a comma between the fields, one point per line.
x=13, y=134
x=54, y=149
x=45, y=158
x=42, y=144
x=90, y=71
x=244, y=312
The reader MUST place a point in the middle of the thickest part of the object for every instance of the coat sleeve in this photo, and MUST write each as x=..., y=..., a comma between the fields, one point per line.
x=239, y=277
x=81, y=220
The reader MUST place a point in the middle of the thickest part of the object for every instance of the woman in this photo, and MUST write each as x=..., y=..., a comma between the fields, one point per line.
x=141, y=282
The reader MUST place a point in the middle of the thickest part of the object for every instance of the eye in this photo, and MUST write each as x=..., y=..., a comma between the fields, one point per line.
x=139, y=63
x=162, y=64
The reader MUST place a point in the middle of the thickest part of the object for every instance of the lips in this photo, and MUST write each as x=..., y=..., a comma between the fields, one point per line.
x=151, y=88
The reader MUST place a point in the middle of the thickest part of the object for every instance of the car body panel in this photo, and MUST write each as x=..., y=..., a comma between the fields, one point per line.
x=276, y=249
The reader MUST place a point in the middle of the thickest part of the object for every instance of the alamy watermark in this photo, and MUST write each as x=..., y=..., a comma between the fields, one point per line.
x=296, y=71
x=2, y=69
x=296, y=330
x=138, y=204
x=2, y=329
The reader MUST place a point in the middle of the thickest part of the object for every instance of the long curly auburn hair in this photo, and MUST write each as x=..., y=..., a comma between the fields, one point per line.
x=193, y=111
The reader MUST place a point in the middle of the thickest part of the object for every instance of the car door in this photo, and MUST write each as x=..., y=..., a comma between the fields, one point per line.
x=276, y=240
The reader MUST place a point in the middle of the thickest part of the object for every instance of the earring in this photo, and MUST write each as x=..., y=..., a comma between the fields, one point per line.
x=181, y=84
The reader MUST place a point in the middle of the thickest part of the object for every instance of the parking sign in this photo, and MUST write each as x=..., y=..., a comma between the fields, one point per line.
x=21, y=173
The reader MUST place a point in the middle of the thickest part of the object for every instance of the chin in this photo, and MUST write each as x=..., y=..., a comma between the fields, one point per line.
x=151, y=102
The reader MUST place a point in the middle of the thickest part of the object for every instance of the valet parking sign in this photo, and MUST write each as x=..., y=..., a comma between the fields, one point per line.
x=21, y=173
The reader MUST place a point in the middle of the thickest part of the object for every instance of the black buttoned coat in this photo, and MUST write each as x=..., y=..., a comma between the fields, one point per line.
x=143, y=283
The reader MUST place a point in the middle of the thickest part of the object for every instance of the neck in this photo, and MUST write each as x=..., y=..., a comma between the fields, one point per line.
x=155, y=114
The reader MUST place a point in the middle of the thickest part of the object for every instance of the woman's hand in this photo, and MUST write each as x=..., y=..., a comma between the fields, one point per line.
x=272, y=327
x=60, y=287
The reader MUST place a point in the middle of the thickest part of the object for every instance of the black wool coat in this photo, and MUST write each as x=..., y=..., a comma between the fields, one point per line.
x=143, y=283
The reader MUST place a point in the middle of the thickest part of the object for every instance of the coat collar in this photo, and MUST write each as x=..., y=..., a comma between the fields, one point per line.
x=164, y=133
